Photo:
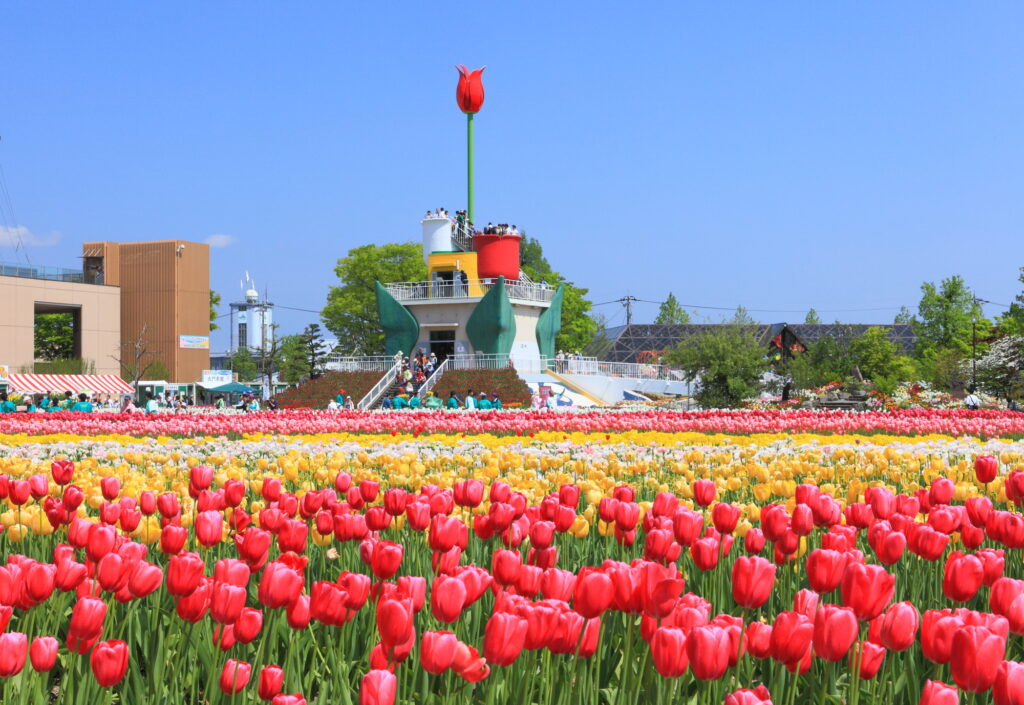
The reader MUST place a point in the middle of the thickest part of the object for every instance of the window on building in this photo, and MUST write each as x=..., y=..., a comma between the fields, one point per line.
x=243, y=335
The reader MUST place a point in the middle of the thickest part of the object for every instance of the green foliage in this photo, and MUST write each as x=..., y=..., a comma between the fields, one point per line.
x=904, y=317
x=879, y=360
x=601, y=343
x=351, y=310
x=1012, y=322
x=156, y=370
x=728, y=363
x=670, y=313
x=578, y=328
x=293, y=367
x=945, y=314
x=54, y=336
x=64, y=366
x=828, y=359
x=214, y=303
x=812, y=318
x=315, y=350
x=243, y=364
x=944, y=368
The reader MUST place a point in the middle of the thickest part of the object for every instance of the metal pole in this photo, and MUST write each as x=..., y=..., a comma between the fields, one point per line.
x=974, y=354
x=469, y=165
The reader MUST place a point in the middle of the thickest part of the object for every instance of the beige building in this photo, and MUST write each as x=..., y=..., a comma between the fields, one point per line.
x=96, y=311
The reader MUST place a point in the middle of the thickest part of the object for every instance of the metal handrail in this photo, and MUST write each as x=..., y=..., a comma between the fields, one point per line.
x=361, y=363
x=385, y=382
x=458, y=289
x=433, y=379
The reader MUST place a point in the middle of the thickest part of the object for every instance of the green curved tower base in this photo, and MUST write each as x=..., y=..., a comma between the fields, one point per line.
x=491, y=327
x=401, y=330
x=549, y=324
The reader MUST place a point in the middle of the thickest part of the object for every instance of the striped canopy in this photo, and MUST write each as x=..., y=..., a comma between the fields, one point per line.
x=104, y=384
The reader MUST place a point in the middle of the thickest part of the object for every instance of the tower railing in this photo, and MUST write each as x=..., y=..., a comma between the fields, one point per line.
x=468, y=288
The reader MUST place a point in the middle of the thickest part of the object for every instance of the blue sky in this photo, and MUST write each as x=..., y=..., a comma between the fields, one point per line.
x=775, y=155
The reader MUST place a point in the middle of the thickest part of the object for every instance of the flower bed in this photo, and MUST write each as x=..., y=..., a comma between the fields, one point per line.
x=317, y=393
x=648, y=567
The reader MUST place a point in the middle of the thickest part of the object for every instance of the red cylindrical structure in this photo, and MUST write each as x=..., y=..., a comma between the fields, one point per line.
x=497, y=255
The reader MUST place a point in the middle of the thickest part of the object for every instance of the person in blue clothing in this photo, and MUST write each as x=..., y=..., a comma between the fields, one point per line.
x=453, y=401
x=496, y=401
x=83, y=405
x=386, y=404
x=415, y=402
x=6, y=406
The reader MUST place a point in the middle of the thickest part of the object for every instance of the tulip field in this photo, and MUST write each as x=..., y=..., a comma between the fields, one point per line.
x=599, y=558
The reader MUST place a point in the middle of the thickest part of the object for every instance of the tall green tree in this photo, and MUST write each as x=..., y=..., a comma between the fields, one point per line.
x=1012, y=322
x=214, y=303
x=54, y=336
x=294, y=366
x=728, y=363
x=879, y=360
x=944, y=317
x=351, y=310
x=828, y=359
x=578, y=328
x=243, y=364
x=315, y=350
x=670, y=313
x=812, y=317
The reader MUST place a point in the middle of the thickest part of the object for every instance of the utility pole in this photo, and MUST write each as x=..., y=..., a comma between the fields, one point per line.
x=974, y=343
x=627, y=301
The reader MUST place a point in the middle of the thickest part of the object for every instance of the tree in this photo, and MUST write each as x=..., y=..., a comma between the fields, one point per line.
x=670, y=313
x=600, y=343
x=1012, y=322
x=1001, y=369
x=244, y=365
x=294, y=367
x=878, y=359
x=578, y=327
x=828, y=359
x=214, y=303
x=728, y=363
x=136, y=358
x=54, y=336
x=904, y=317
x=812, y=318
x=268, y=358
x=351, y=310
x=945, y=314
x=315, y=350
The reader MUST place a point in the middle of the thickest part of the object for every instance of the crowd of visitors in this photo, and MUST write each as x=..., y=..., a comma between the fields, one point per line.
x=84, y=402
x=470, y=401
x=501, y=229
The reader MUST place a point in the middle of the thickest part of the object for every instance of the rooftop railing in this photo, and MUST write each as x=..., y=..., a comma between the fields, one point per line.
x=359, y=363
x=569, y=366
x=31, y=271
x=471, y=288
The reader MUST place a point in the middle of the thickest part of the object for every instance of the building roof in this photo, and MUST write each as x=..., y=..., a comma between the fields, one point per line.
x=642, y=342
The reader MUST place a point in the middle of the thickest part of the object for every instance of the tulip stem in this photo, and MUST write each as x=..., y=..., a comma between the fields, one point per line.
x=469, y=167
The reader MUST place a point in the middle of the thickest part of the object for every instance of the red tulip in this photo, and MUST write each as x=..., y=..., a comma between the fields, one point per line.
x=867, y=589
x=668, y=651
x=87, y=618
x=209, y=527
x=505, y=566
x=704, y=492
x=62, y=471
x=293, y=699
x=758, y=640
x=43, y=653
x=437, y=651
x=725, y=517
x=504, y=638
x=977, y=653
x=707, y=648
x=870, y=657
x=938, y=693
x=753, y=578
x=753, y=541
x=234, y=676
x=792, y=634
x=271, y=682
x=470, y=95
x=986, y=468
x=394, y=620
x=13, y=650
x=447, y=598
x=144, y=579
x=280, y=585
x=825, y=569
x=835, y=631
x=248, y=624
x=378, y=687
x=899, y=626
x=226, y=602
x=963, y=577
x=1009, y=686
x=109, y=661
x=745, y=696
x=593, y=594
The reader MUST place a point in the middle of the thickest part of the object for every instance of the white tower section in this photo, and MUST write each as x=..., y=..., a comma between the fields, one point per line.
x=252, y=320
x=437, y=235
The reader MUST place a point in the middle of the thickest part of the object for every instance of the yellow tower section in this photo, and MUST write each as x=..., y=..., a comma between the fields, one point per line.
x=456, y=267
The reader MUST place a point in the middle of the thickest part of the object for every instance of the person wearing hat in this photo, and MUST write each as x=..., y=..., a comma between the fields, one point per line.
x=340, y=398
x=453, y=401
x=484, y=404
x=415, y=402
x=432, y=401
x=399, y=402
x=496, y=401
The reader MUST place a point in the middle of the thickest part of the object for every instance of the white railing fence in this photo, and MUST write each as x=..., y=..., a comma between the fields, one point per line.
x=570, y=366
x=433, y=379
x=460, y=289
x=378, y=389
x=358, y=363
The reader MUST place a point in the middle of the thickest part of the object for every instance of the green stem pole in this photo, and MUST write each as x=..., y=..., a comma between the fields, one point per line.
x=469, y=165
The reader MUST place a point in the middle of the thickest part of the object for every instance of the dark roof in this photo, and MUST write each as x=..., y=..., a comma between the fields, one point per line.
x=626, y=343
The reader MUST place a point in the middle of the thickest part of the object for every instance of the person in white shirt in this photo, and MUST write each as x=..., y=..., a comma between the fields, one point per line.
x=333, y=405
x=971, y=401
x=152, y=405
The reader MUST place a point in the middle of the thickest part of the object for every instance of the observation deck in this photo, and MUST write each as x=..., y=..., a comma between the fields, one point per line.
x=521, y=291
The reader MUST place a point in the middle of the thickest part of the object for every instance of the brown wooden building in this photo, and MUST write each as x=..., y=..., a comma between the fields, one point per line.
x=165, y=298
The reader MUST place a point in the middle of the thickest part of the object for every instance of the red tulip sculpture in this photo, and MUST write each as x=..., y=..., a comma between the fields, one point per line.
x=470, y=96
